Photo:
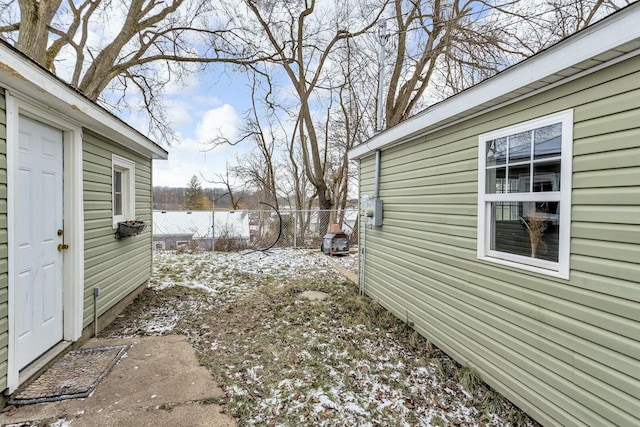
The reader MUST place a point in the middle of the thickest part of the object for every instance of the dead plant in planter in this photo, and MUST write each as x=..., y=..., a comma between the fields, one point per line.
x=536, y=225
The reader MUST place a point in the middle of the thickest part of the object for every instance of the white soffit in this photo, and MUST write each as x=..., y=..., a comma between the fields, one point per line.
x=24, y=78
x=611, y=38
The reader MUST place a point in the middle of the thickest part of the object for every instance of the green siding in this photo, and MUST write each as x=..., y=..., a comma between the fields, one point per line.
x=565, y=351
x=117, y=267
x=4, y=249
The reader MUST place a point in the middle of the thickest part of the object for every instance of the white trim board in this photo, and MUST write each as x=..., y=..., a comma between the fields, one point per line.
x=73, y=267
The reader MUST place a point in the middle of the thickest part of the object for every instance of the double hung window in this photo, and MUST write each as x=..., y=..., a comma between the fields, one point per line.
x=524, y=194
x=123, y=189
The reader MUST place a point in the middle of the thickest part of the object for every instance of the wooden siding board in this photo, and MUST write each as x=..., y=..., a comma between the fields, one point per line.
x=568, y=351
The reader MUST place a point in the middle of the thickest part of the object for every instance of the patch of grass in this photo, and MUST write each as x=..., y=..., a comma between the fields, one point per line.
x=212, y=401
x=494, y=403
x=437, y=421
x=470, y=379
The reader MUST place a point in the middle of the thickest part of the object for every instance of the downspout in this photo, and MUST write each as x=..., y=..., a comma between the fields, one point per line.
x=96, y=294
x=376, y=185
x=363, y=244
x=362, y=225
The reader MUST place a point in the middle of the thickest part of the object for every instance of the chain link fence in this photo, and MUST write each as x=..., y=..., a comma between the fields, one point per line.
x=244, y=229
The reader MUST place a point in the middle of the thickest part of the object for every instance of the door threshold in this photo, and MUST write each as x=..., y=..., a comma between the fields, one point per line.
x=41, y=363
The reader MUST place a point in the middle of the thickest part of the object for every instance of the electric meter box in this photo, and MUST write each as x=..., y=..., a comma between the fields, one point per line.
x=372, y=210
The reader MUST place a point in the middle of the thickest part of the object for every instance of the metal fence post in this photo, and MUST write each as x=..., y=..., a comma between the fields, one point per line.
x=295, y=229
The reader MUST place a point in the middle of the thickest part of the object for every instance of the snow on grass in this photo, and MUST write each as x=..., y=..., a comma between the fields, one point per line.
x=229, y=275
x=284, y=360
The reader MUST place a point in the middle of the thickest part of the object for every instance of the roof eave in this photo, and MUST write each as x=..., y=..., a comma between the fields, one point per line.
x=21, y=76
x=543, y=70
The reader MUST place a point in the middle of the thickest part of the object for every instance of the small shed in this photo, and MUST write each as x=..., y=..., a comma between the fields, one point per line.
x=504, y=224
x=70, y=172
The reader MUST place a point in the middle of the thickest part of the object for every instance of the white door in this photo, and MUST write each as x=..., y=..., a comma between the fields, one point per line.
x=39, y=202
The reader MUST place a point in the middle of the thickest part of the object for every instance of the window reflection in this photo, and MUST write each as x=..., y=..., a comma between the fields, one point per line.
x=547, y=141
x=520, y=147
x=528, y=229
x=497, y=151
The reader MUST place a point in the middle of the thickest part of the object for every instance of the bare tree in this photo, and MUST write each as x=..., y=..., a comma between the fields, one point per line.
x=301, y=37
x=257, y=168
x=227, y=180
x=438, y=48
x=143, y=45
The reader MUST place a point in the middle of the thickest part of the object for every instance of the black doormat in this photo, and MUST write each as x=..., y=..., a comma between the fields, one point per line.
x=74, y=376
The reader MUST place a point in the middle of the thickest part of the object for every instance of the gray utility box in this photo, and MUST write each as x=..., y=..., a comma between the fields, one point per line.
x=372, y=210
x=335, y=244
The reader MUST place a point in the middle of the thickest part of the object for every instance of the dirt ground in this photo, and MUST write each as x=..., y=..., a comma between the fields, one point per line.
x=282, y=359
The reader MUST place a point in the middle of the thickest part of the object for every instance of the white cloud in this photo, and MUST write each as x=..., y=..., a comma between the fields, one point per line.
x=178, y=114
x=190, y=156
x=221, y=122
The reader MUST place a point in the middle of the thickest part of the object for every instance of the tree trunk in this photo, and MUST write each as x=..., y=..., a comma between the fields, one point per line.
x=35, y=21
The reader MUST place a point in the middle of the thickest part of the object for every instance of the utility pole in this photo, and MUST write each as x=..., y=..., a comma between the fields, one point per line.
x=382, y=32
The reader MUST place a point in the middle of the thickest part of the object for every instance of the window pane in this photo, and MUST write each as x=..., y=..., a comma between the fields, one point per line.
x=547, y=141
x=546, y=176
x=117, y=192
x=497, y=151
x=519, y=179
x=117, y=204
x=527, y=229
x=520, y=147
x=496, y=182
x=117, y=181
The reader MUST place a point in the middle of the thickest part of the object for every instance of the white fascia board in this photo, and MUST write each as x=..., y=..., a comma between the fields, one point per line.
x=614, y=31
x=21, y=76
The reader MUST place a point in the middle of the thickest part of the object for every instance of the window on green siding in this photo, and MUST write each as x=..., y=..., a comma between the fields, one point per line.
x=123, y=189
x=117, y=191
x=524, y=194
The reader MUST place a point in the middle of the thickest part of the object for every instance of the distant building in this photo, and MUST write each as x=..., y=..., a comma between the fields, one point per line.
x=203, y=230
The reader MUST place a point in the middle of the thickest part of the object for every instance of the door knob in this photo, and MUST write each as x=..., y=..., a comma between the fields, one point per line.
x=62, y=247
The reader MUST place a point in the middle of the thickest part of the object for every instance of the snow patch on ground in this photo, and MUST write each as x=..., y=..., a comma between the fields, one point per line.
x=380, y=382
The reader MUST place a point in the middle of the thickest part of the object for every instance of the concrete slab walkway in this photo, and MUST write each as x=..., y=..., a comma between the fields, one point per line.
x=158, y=383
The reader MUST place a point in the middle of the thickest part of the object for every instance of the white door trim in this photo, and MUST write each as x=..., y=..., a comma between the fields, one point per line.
x=73, y=267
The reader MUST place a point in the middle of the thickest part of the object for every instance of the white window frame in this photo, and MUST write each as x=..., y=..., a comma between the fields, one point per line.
x=485, y=253
x=128, y=169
